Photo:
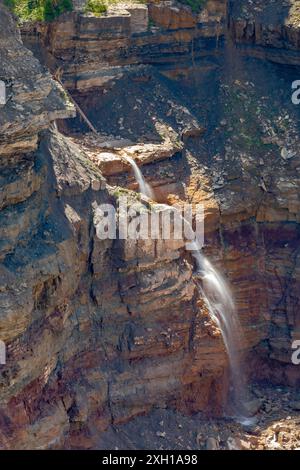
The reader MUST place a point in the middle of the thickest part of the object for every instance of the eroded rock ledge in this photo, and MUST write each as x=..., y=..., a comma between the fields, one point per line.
x=271, y=28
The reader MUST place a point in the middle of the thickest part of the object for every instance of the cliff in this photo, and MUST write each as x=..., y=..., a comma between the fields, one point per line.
x=85, y=48
x=89, y=340
x=271, y=28
x=98, y=332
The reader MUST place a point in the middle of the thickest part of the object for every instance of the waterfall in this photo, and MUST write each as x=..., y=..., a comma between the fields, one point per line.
x=219, y=302
x=144, y=187
x=220, y=305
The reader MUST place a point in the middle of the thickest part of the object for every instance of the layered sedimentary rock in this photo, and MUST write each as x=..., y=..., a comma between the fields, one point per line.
x=251, y=216
x=242, y=166
x=98, y=331
x=95, y=331
x=271, y=28
x=85, y=47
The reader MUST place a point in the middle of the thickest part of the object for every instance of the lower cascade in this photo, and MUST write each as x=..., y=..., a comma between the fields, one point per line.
x=219, y=302
x=220, y=305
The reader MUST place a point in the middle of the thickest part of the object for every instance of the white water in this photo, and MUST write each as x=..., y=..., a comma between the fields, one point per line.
x=144, y=187
x=219, y=302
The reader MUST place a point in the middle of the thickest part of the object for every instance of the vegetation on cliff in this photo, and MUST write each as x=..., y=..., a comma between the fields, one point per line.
x=39, y=10
x=98, y=7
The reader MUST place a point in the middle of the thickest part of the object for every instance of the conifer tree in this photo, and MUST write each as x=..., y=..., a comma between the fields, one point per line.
x=49, y=11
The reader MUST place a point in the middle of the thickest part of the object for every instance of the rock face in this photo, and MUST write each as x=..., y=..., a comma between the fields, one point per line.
x=99, y=331
x=271, y=28
x=96, y=331
x=84, y=46
x=139, y=18
x=32, y=100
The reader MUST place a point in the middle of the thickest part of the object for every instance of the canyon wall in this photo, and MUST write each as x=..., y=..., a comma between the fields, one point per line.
x=100, y=331
x=96, y=331
x=90, y=51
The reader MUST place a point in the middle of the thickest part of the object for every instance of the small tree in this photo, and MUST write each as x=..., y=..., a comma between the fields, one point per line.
x=49, y=11
x=65, y=5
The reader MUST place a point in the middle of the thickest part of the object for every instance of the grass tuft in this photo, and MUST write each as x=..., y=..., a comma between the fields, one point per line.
x=97, y=7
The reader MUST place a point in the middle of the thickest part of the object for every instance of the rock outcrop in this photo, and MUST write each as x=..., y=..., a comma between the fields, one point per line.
x=91, y=52
x=270, y=28
x=33, y=101
x=242, y=167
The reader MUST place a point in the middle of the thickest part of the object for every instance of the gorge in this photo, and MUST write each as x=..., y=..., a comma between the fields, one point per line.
x=111, y=343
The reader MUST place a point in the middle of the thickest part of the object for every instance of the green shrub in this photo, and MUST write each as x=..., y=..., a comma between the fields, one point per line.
x=32, y=5
x=39, y=10
x=98, y=7
x=49, y=11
